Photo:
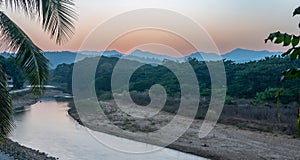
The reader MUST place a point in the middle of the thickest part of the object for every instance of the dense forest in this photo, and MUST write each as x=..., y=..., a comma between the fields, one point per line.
x=255, y=79
x=251, y=88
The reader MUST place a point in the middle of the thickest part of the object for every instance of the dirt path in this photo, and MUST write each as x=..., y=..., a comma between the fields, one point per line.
x=224, y=142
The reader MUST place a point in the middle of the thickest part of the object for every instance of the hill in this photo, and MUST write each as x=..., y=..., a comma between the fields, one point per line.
x=238, y=55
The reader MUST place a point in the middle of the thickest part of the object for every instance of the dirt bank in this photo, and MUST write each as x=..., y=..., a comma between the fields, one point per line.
x=224, y=142
x=25, y=99
x=18, y=151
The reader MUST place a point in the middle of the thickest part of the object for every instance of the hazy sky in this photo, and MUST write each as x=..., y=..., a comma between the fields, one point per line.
x=231, y=23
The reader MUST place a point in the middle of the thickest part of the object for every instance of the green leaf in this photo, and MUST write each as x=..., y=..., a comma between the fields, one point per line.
x=6, y=108
x=295, y=53
x=291, y=73
x=295, y=40
x=287, y=52
x=271, y=37
x=279, y=39
x=287, y=40
x=297, y=11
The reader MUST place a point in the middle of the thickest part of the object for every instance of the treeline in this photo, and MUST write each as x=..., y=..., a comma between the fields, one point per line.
x=256, y=79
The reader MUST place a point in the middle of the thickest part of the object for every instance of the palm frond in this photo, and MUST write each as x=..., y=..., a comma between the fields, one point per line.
x=30, y=57
x=58, y=19
x=6, y=108
x=57, y=16
x=29, y=7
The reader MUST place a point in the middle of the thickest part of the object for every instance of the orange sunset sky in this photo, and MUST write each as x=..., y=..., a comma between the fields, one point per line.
x=230, y=23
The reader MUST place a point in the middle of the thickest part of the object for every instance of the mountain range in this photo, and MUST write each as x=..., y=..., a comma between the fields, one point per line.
x=238, y=55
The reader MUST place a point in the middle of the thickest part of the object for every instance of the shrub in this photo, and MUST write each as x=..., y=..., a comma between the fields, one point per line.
x=229, y=101
x=267, y=95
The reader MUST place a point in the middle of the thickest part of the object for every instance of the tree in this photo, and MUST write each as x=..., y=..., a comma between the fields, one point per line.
x=294, y=53
x=57, y=18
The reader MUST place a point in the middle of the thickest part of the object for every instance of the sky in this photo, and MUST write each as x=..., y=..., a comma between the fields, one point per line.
x=230, y=24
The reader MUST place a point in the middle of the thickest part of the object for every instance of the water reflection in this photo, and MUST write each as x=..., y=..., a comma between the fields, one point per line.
x=47, y=127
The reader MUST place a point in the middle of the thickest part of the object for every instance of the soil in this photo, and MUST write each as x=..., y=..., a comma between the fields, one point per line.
x=223, y=142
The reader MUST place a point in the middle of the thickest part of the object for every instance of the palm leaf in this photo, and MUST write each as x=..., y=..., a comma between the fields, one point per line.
x=58, y=19
x=29, y=6
x=6, y=109
x=57, y=16
x=30, y=57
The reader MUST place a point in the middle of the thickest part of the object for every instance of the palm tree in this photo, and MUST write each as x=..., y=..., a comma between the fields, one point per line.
x=57, y=18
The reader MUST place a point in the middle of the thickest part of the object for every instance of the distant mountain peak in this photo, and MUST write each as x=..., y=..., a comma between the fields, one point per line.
x=238, y=55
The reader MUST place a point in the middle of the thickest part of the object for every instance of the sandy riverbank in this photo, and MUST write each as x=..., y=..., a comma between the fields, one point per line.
x=224, y=142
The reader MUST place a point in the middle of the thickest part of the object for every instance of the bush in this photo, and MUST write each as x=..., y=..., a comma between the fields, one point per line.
x=229, y=101
x=267, y=95
x=205, y=92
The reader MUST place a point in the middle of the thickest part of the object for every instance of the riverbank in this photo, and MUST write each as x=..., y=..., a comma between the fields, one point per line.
x=25, y=99
x=224, y=142
x=21, y=100
x=18, y=151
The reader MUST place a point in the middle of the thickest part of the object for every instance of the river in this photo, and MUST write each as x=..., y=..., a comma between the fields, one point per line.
x=47, y=126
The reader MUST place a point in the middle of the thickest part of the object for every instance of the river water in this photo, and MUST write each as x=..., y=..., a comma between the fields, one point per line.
x=47, y=126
